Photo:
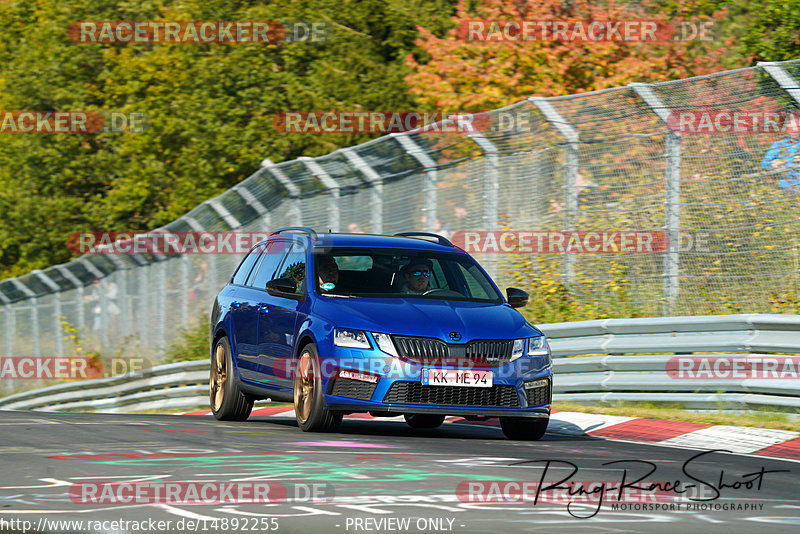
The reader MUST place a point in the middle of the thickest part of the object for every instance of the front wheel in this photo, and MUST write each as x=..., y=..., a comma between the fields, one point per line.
x=424, y=420
x=309, y=403
x=524, y=428
x=228, y=403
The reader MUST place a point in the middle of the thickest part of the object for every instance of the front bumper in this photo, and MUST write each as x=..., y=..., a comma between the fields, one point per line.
x=397, y=386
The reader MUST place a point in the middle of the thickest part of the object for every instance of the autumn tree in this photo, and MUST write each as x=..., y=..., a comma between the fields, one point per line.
x=457, y=72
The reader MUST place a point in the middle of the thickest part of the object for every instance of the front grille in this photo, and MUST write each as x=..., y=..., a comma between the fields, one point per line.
x=540, y=395
x=416, y=393
x=433, y=351
x=493, y=351
x=421, y=349
x=355, y=389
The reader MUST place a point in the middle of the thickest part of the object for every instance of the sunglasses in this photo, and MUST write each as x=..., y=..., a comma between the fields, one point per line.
x=426, y=274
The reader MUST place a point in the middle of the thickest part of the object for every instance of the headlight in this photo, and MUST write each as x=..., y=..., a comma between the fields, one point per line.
x=518, y=349
x=355, y=339
x=537, y=346
x=385, y=343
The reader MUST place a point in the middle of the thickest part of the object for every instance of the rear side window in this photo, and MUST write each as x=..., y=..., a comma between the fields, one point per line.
x=267, y=263
x=247, y=265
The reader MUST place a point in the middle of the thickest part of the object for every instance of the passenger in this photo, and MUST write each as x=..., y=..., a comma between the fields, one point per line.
x=417, y=274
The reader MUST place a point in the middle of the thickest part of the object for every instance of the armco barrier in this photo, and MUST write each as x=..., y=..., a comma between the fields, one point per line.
x=595, y=362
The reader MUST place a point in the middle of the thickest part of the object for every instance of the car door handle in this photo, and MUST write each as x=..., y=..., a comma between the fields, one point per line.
x=235, y=304
x=263, y=309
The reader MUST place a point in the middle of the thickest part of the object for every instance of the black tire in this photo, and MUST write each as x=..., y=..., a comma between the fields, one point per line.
x=524, y=428
x=228, y=403
x=309, y=403
x=423, y=420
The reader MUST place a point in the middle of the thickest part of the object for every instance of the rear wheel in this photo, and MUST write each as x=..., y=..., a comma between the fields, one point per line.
x=227, y=401
x=309, y=403
x=524, y=428
x=424, y=420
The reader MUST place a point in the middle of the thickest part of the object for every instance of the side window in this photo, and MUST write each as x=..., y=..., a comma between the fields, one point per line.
x=247, y=264
x=294, y=266
x=269, y=261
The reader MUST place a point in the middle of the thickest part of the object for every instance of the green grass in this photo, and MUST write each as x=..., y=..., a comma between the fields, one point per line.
x=771, y=420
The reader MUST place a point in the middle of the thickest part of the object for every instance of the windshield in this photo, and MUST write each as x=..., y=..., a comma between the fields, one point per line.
x=401, y=273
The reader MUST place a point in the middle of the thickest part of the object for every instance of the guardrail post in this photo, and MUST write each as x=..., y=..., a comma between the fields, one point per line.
x=571, y=166
x=295, y=212
x=430, y=167
x=490, y=189
x=376, y=189
x=56, y=310
x=673, y=198
x=333, y=191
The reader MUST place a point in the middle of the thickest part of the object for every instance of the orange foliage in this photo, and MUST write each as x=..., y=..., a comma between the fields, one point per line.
x=473, y=76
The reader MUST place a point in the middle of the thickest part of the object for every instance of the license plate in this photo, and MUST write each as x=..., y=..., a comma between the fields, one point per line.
x=454, y=377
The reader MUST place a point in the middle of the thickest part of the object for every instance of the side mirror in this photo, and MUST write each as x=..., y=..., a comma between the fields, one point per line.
x=517, y=298
x=282, y=287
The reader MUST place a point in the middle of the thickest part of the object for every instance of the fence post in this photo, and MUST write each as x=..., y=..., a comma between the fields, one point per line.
x=66, y=273
x=144, y=304
x=102, y=302
x=34, y=313
x=571, y=165
x=430, y=166
x=376, y=189
x=251, y=200
x=56, y=309
x=673, y=198
x=490, y=190
x=295, y=213
x=223, y=212
x=333, y=188
x=783, y=78
x=9, y=314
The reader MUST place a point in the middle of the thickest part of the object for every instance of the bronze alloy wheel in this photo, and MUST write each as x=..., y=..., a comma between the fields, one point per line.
x=217, y=378
x=309, y=399
x=304, y=386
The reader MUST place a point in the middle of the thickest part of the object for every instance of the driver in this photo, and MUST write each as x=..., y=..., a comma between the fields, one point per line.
x=328, y=273
x=417, y=273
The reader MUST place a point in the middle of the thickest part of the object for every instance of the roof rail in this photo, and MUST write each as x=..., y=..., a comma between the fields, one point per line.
x=304, y=229
x=422, y=235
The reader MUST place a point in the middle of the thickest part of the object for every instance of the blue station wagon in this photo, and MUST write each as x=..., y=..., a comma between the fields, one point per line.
x=387, y=325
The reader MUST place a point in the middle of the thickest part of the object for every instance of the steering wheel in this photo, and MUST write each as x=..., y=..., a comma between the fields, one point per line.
x=434, y=290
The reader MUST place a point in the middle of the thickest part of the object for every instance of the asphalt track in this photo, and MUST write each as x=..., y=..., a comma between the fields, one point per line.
x=371, y=476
